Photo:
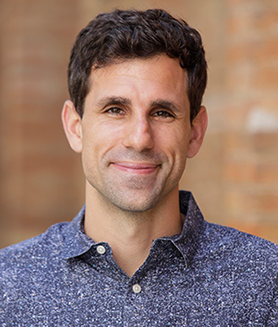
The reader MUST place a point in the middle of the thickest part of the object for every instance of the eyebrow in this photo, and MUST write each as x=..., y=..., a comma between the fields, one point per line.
x=116, y=100
x=165, y=105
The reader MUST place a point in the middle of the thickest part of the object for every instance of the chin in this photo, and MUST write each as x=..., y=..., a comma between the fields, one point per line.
x=136, y=206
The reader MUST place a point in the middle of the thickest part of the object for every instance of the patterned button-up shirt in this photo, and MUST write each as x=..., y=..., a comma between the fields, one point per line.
x=208, y=275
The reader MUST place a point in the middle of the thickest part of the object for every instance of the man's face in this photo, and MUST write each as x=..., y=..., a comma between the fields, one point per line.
x=135, y=132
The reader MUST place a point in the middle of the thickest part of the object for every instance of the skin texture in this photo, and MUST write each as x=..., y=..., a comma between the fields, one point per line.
x=135, y=137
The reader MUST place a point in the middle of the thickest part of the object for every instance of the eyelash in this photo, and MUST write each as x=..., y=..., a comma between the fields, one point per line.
x=114, y=110
x=163, y=113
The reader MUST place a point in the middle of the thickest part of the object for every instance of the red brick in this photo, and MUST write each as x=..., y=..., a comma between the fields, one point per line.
x=234, y=177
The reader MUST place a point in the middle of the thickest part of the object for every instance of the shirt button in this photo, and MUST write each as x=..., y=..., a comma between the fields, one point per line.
x=101, y=249
x=136, y=288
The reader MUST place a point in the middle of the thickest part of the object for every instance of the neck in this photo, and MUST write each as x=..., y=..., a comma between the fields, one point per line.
x=130, y=234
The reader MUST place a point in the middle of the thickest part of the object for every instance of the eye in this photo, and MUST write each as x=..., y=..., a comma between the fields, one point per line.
x=115, y=111
x=163, y=114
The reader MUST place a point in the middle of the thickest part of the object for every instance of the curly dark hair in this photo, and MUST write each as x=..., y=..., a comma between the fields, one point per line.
x=128, y=34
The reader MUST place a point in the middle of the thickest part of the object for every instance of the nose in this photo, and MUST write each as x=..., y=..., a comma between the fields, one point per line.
x=139, y=134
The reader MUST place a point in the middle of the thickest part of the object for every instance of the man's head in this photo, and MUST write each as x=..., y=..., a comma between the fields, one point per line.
x=136, y=81
x=114, y=37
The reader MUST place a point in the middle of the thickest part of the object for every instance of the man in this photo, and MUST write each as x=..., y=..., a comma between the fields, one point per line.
x=139, y=253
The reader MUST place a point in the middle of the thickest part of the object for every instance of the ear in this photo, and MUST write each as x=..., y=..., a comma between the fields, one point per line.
x=72, y=124
x=198, y=130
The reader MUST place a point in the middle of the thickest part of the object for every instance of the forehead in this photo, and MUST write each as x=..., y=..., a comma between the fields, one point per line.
x=140, y=80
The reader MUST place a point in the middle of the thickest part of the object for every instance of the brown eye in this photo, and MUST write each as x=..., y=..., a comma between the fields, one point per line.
x=115, y=111
x=163, y=114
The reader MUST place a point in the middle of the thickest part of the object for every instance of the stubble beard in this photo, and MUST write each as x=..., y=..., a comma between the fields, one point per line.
x=131, y=193
x=134, y=199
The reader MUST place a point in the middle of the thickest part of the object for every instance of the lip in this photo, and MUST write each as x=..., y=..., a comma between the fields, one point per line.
x=136, y=167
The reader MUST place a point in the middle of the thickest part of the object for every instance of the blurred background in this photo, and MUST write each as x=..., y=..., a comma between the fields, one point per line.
x=235, y=176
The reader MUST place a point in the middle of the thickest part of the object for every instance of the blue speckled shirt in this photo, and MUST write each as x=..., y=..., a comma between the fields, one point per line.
x=209, y=275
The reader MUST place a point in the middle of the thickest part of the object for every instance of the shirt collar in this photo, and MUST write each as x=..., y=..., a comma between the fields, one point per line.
x=187, y=242
x=76, y=242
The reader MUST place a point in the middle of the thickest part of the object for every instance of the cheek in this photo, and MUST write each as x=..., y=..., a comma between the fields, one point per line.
x=175, y=142
x=100, y=139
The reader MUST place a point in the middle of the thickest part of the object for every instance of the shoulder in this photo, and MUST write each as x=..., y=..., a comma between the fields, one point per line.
x=243, y=250
x=31, y=250
x=227, y=236
x=27, y=273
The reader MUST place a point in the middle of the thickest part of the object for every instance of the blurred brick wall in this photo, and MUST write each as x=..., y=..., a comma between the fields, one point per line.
x=40, y=181
x=238, y=165
x=251, y=156
x=234, y=177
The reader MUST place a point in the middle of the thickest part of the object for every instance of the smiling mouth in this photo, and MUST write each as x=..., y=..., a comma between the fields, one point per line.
x=137, y=168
